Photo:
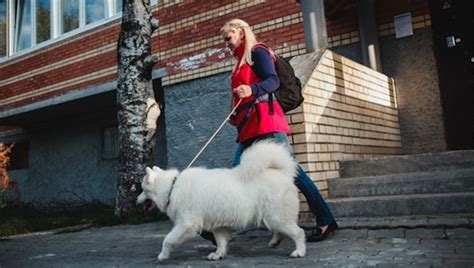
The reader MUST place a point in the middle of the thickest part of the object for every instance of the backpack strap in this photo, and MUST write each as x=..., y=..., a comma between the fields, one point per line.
x=245, y=119
x=249, y=106
x=270, y=100
x=264, y=46
x=273, y=56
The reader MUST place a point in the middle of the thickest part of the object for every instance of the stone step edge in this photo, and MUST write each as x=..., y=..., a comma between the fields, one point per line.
x=423, y=156
x=403, y=196
x=340, y=185
x=409, y=176
x=446, y=221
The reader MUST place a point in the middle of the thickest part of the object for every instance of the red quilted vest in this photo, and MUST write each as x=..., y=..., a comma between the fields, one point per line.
x=260, y=120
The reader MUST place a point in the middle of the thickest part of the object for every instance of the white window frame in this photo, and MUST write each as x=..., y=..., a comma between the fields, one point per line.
x=55, y=21
x=11, y=29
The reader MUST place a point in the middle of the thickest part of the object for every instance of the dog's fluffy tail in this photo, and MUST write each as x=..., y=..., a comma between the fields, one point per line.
x=265, y=155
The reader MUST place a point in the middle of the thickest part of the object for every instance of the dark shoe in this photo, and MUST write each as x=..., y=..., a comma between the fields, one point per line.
x=317, y=235
x=208, y=236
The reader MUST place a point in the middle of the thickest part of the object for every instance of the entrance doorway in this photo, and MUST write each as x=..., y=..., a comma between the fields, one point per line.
x=452, y=23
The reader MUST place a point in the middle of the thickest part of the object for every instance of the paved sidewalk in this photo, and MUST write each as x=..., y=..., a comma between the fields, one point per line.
x=441, y=241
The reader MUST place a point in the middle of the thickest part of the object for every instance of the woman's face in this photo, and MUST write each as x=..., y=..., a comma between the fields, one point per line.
x=233, y=37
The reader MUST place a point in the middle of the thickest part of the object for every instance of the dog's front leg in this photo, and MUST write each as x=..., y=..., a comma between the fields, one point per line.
x=178, y=235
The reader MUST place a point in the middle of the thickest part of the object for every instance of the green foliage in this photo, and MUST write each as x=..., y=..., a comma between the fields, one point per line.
x=70, y=22
x=24, y=220
x=43, y=31
x=3, y=39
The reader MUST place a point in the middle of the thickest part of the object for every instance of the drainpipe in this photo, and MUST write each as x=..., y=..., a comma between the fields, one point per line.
x=368, y=35
x=314, y=20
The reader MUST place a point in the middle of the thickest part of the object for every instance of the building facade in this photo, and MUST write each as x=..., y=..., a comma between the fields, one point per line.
x=58, y=82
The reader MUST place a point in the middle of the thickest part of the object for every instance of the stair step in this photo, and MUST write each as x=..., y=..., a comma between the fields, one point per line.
x=407, y=163
x=452, y=220
x=456, y=180
x=414, y=204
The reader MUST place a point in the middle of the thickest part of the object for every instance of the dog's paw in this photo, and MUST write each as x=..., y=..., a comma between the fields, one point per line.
x=274, y=243
x=163, y=256
x=214, y=256
x=297, y=254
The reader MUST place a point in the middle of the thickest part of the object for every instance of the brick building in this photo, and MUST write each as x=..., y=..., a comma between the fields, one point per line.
x=58, y=81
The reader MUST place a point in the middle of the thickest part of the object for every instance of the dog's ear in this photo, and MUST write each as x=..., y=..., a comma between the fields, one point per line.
x=149, y=178
x=155, y=168
x=148, y=171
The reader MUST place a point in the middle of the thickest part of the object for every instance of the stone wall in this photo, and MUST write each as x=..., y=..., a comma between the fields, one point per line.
x=69, y=164
x=350, y=112
x=194, y=110
x=418, y=93
x=66, y=168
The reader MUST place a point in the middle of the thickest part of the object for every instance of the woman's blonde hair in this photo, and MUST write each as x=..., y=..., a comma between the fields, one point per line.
x=250, y=39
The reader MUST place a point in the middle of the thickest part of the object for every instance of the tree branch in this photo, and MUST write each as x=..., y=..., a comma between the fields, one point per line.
x=154, y=24
x=150, y=61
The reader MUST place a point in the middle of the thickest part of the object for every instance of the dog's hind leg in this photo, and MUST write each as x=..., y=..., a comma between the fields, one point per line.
x=297, y=234
x=276, y=239
x=222, y=236
x=177, y=236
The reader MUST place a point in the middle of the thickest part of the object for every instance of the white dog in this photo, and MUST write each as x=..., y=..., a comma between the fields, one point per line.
x=258, y=191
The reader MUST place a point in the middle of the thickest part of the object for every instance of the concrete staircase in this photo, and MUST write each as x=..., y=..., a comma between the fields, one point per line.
x=423, y=184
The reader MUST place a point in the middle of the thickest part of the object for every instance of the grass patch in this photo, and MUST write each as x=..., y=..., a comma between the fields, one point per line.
x=25, y=220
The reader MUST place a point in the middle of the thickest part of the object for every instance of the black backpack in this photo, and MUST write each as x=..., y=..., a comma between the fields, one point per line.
x=290, y=93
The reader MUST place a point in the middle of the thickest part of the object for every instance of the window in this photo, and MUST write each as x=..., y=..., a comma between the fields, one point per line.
x=32, y=23
x=69, y=15
x=43, y=20
x=3, y=28
x=23, y=24
x=95, y=10
x=118, y=6
x=26, y=23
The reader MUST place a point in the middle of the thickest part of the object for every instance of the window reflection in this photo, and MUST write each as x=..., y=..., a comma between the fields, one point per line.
x=3, y=28
x=43, y=20
x=69, y=15
x=118, y=6
x=23, y=22
x=95, y=10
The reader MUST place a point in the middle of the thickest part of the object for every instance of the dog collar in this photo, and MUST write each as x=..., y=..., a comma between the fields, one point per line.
x=171, y=190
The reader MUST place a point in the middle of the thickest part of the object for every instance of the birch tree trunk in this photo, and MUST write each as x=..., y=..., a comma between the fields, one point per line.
x=138, y=110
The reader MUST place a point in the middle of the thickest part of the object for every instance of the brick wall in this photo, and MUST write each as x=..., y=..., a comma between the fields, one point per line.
x=350, y=112
x=343, y=28
x=188, y=44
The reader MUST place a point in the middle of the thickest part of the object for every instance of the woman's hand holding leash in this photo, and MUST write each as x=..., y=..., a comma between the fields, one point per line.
x=243, y=91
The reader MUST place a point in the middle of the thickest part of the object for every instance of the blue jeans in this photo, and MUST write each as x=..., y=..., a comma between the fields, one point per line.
x=315, y=201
